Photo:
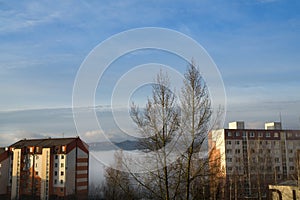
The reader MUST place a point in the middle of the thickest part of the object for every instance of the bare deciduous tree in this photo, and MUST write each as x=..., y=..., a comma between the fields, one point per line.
x=196, y=114
x=117, y=185
x=158, y=124
x=163, y=120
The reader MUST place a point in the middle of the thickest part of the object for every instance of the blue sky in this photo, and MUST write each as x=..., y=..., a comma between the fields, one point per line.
x=254, y=43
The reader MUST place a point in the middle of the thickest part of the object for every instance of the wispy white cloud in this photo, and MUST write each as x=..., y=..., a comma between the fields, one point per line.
x=7, y=139
x=102, y=136
x=266, y=1
x=26, y=16
x=57, y=122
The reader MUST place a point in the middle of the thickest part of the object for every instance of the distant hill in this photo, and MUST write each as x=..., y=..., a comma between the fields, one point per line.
x=127, y=145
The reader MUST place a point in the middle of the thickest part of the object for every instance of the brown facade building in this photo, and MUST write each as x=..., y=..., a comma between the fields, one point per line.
x=53, y=168
x=248, y=160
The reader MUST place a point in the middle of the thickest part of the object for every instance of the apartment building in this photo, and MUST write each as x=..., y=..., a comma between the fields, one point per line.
x=248, y=160
x=53, y=168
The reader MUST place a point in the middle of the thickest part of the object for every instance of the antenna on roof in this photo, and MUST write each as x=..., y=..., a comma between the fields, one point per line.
x=280, y=120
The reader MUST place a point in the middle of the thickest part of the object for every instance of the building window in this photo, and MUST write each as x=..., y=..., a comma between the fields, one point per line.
x=61, y=189
x=276, y=160
x=237, y=134
x=229, y=168
x=228, y=142
x=229, y=159
x=260, y=134
x=291, y=159
x=238, y=168
x=278, y=176
x=55, y=165
x=55, y=173
x=55, y=181
x=61, y=173
x=61, y=181
x=244, y=134
x=276, y=135
x=61, y=164
x=268, y=134
x=284, y=168
x=290, y=150
x=228, y=151
x=36, y=173
x=252, y=134
x=292, y=168
x=62, y=157
x=237, y=142
x=237, y=151
x=56, y=156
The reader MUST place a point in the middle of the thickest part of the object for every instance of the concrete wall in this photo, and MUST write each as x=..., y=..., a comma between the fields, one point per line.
x=218, y=137
x=70, y=172
x=59, y=173
x=285, y=192
x=44, y=172
x=4, y=175
x=16, y=174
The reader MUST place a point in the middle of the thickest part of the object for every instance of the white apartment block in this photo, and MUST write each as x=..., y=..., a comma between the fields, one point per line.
x=53, y=168
x=251, y=159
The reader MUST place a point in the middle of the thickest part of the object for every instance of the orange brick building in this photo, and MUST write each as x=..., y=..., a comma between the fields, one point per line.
x=53, y=168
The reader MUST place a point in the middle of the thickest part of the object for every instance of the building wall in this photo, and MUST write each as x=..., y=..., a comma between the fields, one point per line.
x=217, y=162
x=4, y=173
x=71, y=172
x=218, y=138
x=82, y=172
x=59, y=175
x=16, y=174
x=45, y=173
